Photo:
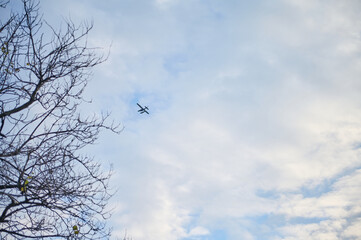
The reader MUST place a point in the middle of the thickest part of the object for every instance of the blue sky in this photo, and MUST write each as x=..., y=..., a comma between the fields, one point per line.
x=254, y=129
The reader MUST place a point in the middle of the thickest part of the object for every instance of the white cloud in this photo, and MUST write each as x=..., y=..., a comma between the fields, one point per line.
x=353, y=231
x=340, y=206
x=198, y=231
x=255, y=116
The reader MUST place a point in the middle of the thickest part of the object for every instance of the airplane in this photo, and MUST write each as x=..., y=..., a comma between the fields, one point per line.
x=143, y=109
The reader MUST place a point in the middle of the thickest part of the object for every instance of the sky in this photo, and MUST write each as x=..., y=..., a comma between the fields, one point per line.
x=254, y=129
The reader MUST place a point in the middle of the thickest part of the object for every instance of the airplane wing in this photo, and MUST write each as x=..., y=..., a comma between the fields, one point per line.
x=142, y=109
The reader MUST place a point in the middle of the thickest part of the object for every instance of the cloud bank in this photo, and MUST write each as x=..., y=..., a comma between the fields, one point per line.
x=255, y=129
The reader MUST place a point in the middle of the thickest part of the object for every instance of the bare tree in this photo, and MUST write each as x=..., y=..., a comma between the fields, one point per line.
x=48, y=189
